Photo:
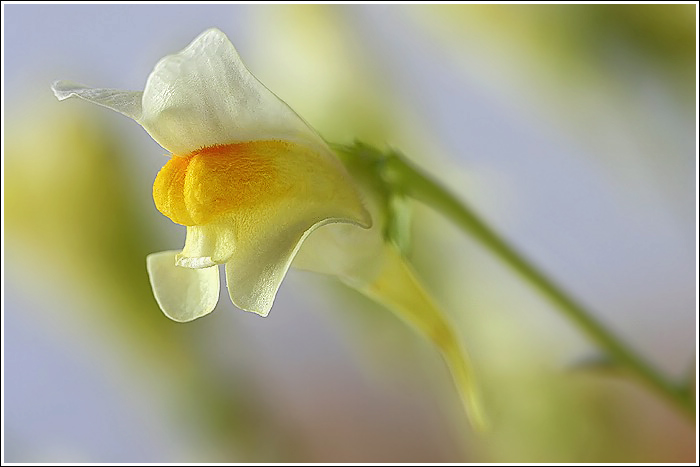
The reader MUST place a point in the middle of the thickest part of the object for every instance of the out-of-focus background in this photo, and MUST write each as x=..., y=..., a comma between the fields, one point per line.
x=571, y=129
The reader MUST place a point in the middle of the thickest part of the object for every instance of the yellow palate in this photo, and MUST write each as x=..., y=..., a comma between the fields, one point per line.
x=201, y=187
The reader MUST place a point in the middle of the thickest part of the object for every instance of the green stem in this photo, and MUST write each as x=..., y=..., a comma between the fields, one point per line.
x=397, y=172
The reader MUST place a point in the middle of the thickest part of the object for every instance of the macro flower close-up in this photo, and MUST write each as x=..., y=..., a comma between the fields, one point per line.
x=247, y=176
x=251, y=181
x=471, y=230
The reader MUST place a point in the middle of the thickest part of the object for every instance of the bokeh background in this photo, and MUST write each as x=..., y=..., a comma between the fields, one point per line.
x=571, y=129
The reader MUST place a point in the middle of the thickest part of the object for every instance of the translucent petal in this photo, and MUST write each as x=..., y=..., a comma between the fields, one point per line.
x=256, y=268
x=343, y=250
x=183, y=294
x=125, y=102
x=204, y=95
x=264, y=242
x=257, y=247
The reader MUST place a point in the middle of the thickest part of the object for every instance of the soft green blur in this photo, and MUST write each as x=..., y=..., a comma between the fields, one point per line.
x=75, y=229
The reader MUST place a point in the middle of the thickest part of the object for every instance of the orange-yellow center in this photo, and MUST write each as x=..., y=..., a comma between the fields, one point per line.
x=202, y=186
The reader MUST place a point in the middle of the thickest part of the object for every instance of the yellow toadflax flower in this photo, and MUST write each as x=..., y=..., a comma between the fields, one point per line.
x=248, y=177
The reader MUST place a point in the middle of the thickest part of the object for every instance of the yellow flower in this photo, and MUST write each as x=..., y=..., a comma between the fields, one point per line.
x=248, y=177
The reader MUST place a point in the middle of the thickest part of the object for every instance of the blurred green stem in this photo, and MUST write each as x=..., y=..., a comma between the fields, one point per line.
x=396, y=172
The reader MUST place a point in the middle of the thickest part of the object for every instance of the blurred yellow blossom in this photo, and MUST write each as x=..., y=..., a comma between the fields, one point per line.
x=248, y=177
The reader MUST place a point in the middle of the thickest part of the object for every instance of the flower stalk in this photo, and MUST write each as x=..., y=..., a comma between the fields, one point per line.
x=398, y=173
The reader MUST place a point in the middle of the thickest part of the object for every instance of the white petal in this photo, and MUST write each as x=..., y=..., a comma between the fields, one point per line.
x=204, y=95
x=255, y=271
x=125, y=102
x=343, y=250
x=183, y=294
